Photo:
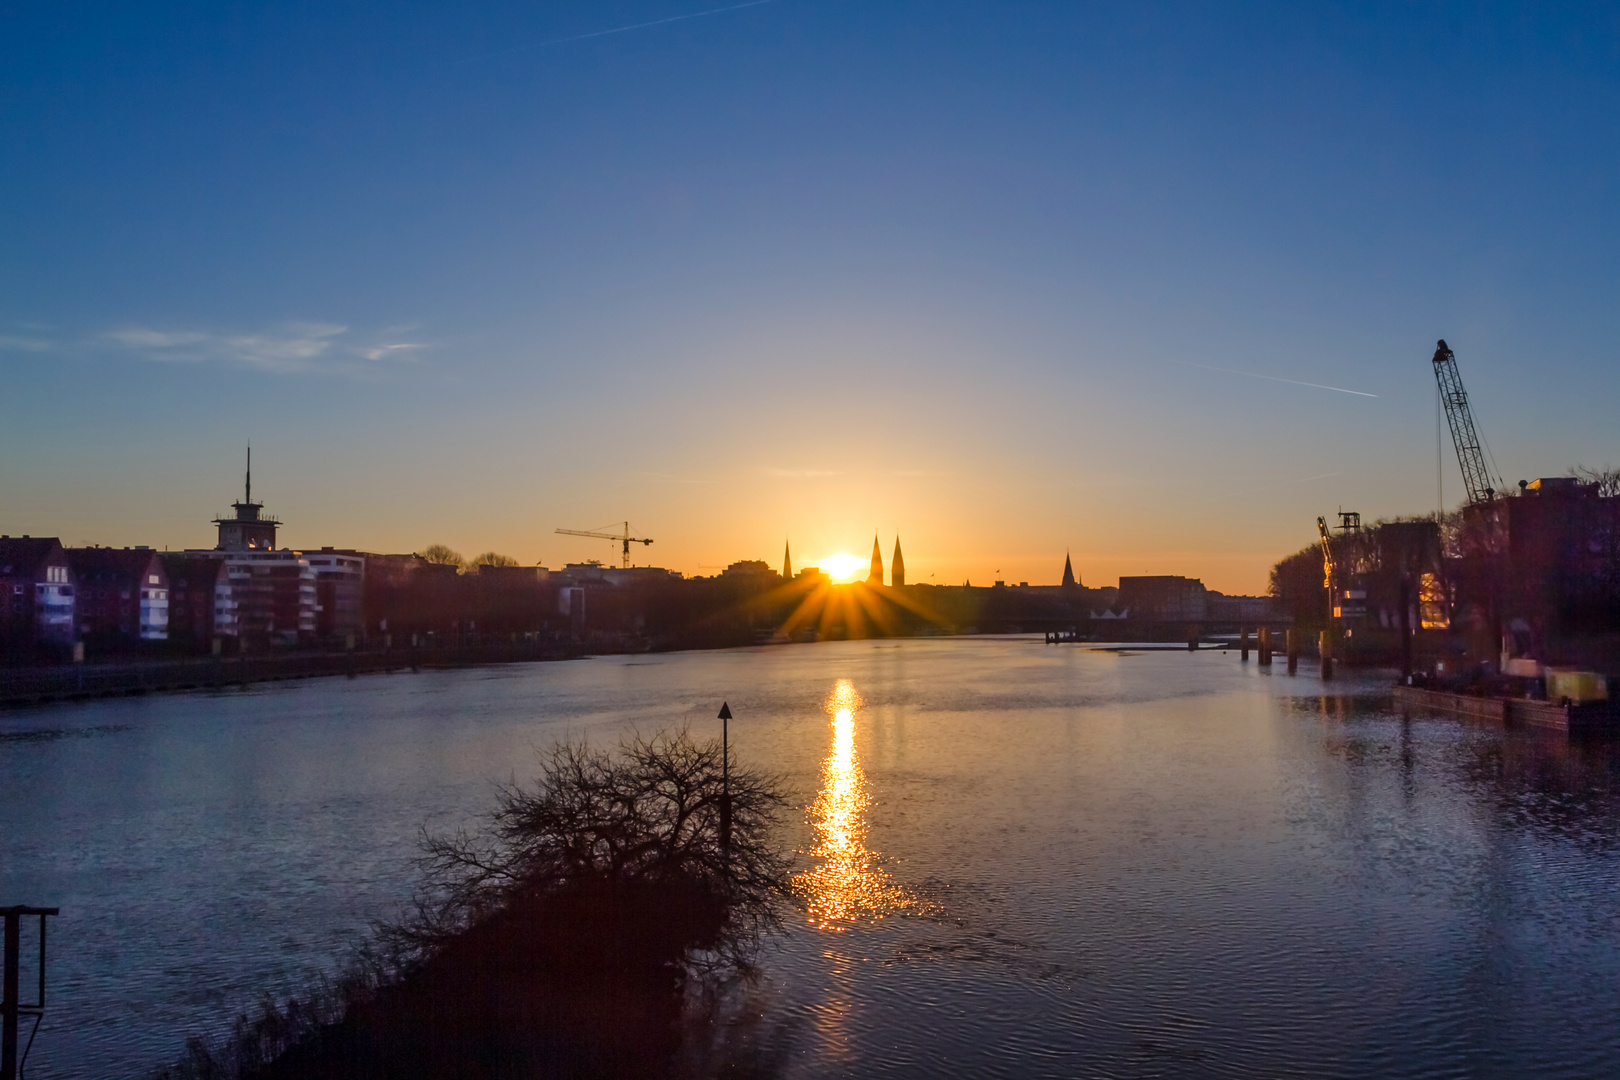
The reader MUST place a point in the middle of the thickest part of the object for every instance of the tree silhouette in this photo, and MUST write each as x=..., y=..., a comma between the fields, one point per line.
x=1607, y=479
x=646, y=818
x=579, y=934
x=441, y=554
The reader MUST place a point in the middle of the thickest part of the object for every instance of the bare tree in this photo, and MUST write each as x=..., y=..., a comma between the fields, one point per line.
x=442, y=554
x=591, y=929
x=648, y=818
x=1607, y=479
x=491, y=558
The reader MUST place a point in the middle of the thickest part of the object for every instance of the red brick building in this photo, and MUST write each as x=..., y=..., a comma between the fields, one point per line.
x=37, y=599
x=123, y=595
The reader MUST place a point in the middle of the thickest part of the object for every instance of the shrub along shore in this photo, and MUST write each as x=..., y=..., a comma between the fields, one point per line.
x=594, y=928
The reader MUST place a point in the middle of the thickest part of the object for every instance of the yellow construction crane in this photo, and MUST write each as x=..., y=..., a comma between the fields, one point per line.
x=625, y=538
x=1327, y=553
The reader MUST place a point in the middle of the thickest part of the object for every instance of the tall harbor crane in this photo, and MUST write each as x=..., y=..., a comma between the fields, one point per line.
x=625, y=538
x=1476, y=477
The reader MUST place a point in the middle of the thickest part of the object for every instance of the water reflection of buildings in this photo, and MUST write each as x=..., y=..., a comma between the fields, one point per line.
x=848, y=884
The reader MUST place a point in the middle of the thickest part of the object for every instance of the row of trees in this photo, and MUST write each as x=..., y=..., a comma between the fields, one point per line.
x=1388, y=559
x=445, y=555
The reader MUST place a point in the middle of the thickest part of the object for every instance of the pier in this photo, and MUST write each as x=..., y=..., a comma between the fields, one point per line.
x=1571, y=719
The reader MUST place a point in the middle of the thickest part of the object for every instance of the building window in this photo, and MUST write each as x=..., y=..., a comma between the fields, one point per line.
x=151, y=579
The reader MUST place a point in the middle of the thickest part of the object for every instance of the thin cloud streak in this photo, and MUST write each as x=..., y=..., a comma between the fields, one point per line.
x=10, y=343
x=1276, y=378
x=388, y=351
x=615, y=30
x=1285, y=483
x=666, y=478
x=295, y=348
x=138, y=337
x=798, y=474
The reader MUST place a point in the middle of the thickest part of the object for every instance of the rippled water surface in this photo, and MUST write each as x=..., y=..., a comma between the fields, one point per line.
x=1016, y=859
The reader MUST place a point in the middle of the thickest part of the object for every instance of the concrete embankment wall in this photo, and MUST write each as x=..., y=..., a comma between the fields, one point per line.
x=1591, y=718
x=27, y=685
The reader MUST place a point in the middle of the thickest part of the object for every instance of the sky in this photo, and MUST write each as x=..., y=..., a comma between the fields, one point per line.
x=1006, y=279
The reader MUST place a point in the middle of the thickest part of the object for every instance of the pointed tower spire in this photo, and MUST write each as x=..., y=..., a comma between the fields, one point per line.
x=876, y=576
x=249, y=496
x=787, y=562
x=897, y=565
x=1069, y=580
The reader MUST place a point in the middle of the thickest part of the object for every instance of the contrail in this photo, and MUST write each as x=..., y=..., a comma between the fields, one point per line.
x=1275, y=378
x=619, y=29
x=1285, y=483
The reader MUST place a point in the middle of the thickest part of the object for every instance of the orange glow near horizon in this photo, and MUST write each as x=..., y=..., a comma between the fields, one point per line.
x=844, y=568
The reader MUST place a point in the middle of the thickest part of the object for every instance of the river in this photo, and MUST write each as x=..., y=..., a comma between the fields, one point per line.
x=1016, y=860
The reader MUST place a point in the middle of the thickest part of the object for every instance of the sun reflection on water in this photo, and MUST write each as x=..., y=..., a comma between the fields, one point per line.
x=848, y=884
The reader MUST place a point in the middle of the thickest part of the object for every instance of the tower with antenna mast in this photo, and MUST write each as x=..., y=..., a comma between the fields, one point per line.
x=248, y=528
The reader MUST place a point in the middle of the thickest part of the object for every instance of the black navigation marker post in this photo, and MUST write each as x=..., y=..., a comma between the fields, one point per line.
x=11, y=1006
x=725, y=781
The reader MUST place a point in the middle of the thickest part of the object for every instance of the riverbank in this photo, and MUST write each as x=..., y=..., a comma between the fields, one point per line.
x=24, y=686
x=1591, y=718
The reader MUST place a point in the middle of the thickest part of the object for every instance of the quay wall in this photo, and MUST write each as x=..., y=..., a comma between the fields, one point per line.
x=30, y=685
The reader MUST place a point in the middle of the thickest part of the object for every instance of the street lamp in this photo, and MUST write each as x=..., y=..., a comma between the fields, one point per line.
x=725, y=781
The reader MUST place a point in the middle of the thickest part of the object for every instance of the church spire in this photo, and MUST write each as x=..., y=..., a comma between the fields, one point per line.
x=876, y=576
x=1069, y=580
x=897, y=565
x=787, y=562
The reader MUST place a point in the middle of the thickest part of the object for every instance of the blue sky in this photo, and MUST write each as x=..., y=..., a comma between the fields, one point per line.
x=801, y=268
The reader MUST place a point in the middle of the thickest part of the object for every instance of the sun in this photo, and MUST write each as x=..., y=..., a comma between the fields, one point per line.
x=843, y=567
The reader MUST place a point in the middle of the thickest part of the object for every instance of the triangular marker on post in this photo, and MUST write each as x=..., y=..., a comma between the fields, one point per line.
x=725, y=781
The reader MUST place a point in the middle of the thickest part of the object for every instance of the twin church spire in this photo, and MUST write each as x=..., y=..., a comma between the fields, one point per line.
x=897, y=566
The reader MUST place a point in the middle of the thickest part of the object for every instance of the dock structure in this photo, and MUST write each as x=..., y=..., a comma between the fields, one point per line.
x=1565, y=717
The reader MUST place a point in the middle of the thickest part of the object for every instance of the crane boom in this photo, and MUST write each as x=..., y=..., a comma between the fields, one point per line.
x=626, y=539
x=1327, y=553
x=1476, y=477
